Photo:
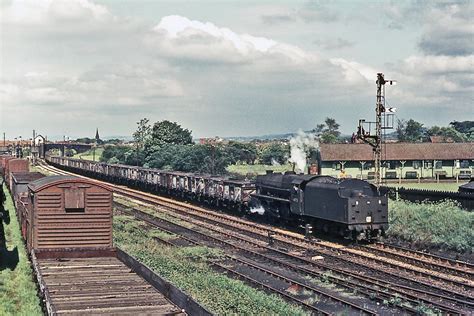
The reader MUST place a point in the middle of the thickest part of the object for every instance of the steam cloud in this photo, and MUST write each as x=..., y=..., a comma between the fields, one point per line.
x=259, y=210
x=299, y=147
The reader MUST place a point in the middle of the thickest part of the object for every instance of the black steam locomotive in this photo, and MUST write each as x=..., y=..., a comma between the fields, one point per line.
x=350, y=207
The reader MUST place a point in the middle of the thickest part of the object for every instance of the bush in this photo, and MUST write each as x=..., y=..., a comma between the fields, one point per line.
x=442, y=224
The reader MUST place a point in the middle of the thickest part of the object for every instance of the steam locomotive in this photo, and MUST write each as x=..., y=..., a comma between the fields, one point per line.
x=349, y=207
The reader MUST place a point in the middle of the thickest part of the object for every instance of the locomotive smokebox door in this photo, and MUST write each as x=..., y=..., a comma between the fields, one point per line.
x=297, y=197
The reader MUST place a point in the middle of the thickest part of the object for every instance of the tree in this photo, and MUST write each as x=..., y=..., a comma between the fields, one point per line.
x=142, y=134
x=466, y=128
x=117, y=152
x=410, y=131
x=208, y=158
x=414, y=131
x=166, y=132
x=447, y=132
x=328, y=131
x=243, y=152
x=401, y=126
x=85, y=140
x=274, y=152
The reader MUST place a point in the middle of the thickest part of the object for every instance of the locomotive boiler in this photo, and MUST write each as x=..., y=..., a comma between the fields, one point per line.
x=349, y=207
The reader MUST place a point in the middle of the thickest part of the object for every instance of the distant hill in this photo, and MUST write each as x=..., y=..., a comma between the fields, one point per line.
x=261, y=137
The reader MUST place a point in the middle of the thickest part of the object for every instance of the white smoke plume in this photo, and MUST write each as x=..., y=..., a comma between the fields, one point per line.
x=275, y=162
x=259, y=210
x=300, y=144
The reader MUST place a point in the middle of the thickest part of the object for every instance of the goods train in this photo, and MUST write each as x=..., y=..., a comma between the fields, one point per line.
x=349, y=207
x=55, y=212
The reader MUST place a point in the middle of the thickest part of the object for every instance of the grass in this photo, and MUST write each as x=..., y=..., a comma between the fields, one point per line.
x=442, y=186
x=245, y=169
x=89, y=155
x=189, y=269
x=17, y=288
x=443, y=224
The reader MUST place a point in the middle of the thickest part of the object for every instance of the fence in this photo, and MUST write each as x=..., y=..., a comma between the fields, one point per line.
x=466, y=200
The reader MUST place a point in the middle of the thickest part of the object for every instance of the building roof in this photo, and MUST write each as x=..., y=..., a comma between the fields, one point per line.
x=398, y=151
x=46, y=182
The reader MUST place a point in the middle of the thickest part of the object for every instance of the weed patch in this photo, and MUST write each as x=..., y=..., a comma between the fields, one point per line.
x=188, y=268
x=441, y=224
x=17, y=289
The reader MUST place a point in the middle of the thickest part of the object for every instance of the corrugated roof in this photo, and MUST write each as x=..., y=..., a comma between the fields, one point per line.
x=398, y=151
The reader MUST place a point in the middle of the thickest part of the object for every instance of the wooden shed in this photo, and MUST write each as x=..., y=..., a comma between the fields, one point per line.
x=67, y=213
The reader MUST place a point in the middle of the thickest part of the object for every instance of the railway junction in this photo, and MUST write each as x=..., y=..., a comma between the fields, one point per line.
x=320, y=277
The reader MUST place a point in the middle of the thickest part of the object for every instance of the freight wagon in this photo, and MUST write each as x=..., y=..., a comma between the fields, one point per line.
x=214, y=190
x=350, y=208
x=66, y=222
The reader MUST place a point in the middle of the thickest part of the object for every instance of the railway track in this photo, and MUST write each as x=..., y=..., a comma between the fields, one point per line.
x=196, y=237
x=370, y=288
x=424, y=276
x=445, y=265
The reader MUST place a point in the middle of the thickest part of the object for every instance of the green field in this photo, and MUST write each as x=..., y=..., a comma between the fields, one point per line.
x=257, y=169
x=89, y=155
x=17, y=289
x=442, y=186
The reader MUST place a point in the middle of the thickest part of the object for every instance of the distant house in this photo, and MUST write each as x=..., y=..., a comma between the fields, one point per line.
x=405, y=160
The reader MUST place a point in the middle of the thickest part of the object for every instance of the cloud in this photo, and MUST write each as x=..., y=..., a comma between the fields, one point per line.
x=281, y=18
x=449, y=30
x=31, y=12
x=334, y=43
x=355, y=72
x=79, y=66
x=318, y=11
x=179, y=37
x=439, y=64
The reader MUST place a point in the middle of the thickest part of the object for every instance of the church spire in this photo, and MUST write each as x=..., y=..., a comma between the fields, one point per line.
x=97, y=137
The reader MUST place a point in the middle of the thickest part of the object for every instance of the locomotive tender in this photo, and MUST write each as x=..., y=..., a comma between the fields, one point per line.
x=349, y=207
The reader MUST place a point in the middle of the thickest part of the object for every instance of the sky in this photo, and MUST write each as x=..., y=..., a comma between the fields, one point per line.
x=230, y=68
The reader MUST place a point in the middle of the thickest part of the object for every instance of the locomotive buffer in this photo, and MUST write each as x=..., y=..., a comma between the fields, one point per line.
x=383, y=120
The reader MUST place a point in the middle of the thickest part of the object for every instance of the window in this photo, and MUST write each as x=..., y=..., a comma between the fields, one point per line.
x=392, y=165
x=464, y=163
x=416, y=164
x=438, y=165
x=428, y=164
x=368, y=166
x=336, y=166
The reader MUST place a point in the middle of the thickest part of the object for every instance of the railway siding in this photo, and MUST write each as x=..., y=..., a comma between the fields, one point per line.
x=101, y=285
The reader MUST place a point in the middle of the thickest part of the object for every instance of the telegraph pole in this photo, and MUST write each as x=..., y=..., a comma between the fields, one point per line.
x=375, y=139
